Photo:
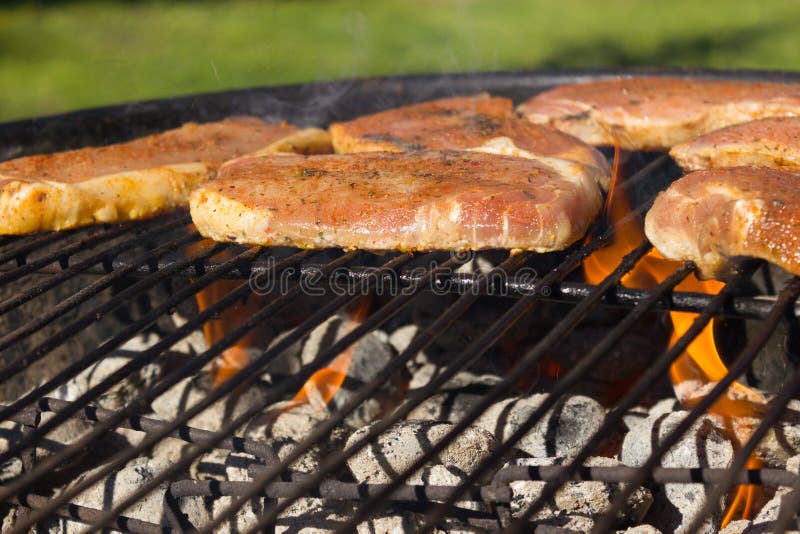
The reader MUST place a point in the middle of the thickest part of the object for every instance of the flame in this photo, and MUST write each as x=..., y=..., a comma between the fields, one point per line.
x=234, y=358
x=320, y=388
x=700, y=365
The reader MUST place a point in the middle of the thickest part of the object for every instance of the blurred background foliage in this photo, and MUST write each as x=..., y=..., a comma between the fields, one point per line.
x=59, y=56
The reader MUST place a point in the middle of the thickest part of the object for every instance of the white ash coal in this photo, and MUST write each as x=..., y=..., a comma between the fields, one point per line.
x=449, y=406
x=284, y=426
x=123, y=391
x=588, y=499
x=403, y=443
x=112, y=490
x=781, y=442
x=457, y=396
x=312, y=516
x=640, y=529
x=191, y=390
x=10, y=433
x=704, y=445
x=562, y=432
x=223, y=465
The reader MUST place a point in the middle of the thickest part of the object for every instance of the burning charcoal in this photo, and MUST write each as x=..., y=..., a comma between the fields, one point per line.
x=311, y=516
x=640, y=529
x=781, y=442
x=284, y=427
x=704, y=445
x=368, y=357
x=561, y=432
x=10, y=433
x=188, y=392
x=764, y=522
x=390, y=522
x=222, y=465
x=245, y=517
x=589, y=499
x=565, y=524
x=737, y=527
x=398, y=447
x=107, y=492
x=122, y=392
x=449, y=406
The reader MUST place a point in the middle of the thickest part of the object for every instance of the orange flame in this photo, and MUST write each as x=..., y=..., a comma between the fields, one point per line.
x=320, y=388
x=701, y=364
x=234, y=358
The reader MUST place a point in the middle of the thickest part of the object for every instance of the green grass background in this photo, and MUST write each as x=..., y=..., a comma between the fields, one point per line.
x=58, y=56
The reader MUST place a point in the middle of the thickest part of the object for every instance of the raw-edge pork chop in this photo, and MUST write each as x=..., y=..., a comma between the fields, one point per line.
x=132, y=180
x=772, y=142
x=712, y=217
x=649, y=113
x=396, y=201
x=480, y=123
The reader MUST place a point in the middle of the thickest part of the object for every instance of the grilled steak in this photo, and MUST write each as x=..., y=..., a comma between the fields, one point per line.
x=396, y=200
x=657, y=113
x=481, y=123
x=129, y=180
x=713, y=216
x=772, y=142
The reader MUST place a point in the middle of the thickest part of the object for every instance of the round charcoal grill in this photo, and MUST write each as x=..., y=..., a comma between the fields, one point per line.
x=132, y=281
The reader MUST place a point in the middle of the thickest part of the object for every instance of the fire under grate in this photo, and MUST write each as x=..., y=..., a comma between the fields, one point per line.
x=110, y=419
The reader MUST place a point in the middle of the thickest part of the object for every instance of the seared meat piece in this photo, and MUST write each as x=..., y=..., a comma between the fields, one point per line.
x=657, y=113
x=772, y=142
x=131, y=180
x=481, y=123
x=404, y=200
x=714, y=216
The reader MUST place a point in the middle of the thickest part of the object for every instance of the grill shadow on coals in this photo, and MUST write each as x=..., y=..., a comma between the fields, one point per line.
x=381, y=392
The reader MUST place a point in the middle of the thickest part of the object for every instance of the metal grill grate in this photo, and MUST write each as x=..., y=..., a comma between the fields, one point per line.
x=166, y=256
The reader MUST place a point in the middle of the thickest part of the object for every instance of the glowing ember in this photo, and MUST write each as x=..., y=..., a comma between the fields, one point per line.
x=700, y=366
x=323, y=385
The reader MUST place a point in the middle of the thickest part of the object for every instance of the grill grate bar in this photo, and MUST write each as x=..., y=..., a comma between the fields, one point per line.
x=564, y=326
x=78, y=366
x=465, y=358
x=90, y=358
x=138, y=404
x=81, y=266
x=790, y=504
x=297, y=380
x=19, y=251
x=188, y=434
x=657, y=370
x=565, y=382
x=419, y=343
x=739, y=306
x=62, y=255
x=87, y=515
x=195, y=365
x=740, y=366
x=81, y=296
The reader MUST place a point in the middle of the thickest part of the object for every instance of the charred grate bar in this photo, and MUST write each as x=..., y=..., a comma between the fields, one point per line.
x=113, y=267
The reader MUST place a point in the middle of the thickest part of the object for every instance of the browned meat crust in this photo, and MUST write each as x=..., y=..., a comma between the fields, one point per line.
x=484, y=123
x=772, y=142
x=127, y=180
x=406, y=201
x=657, y=113
x=711, y=217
